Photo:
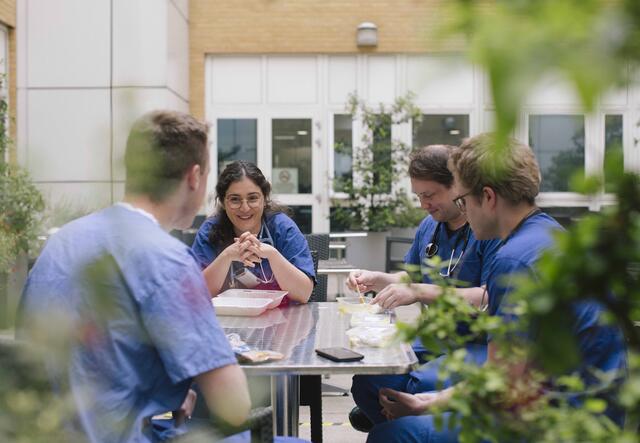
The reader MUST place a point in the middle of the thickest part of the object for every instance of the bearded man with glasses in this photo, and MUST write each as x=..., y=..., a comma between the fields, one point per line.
x=445, y=233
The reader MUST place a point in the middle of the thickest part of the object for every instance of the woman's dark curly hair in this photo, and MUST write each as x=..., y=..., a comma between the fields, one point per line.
x=222, y=234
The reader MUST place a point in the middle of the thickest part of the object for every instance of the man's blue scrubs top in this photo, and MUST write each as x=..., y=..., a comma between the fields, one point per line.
x=142, y=316
x=285, y=237
x=601, y=347
x=473, y=266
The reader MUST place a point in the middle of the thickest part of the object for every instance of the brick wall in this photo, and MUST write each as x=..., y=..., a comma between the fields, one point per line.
x=8, y=12
x=305, y=26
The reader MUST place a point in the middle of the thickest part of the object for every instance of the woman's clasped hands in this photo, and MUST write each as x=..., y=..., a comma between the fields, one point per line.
x=249, y=250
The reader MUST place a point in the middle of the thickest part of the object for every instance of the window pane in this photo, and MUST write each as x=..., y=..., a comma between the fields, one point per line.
x=336, y=225
x=291, y=141
x=237, y=140
x=612, y=142
x=558, y=142
x=440, y=129
x=302, y=216
x=343, y=150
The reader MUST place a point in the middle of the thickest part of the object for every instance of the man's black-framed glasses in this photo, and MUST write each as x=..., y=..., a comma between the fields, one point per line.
x=460, y=202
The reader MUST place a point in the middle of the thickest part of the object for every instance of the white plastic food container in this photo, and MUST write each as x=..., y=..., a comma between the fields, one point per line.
x=275, y=297
x=249, y=307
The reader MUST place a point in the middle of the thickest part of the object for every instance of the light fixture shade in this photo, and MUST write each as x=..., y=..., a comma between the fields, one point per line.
x=367, y=34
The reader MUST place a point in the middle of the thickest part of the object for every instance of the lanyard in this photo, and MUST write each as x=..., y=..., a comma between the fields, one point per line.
x=265, y=235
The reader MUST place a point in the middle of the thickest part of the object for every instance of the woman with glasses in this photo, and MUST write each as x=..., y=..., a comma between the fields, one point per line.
x=249, y=242
x=444, y=233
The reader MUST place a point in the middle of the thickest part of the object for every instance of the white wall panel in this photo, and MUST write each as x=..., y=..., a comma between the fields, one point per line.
x=140, y=42
x=68, y=135
x=292, y=80
x=21, y=44
x=235, y=80
x=553, y=90
x=117, y=189
x=128, y=105
x=617, y=97
x=183, y=7
x=68, y=43
x=174, y=101
x=381, y=79
x=178, y=52
x=76, y=198
x=440, y=80
x=342, y=78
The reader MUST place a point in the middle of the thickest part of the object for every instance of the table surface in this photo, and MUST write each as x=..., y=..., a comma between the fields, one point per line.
x=297, y=331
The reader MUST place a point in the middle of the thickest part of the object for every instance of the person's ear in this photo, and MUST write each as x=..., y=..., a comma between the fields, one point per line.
x=194, y=175
x=489, y=196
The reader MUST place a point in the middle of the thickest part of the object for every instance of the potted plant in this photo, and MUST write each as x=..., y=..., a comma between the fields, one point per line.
x=376, y=199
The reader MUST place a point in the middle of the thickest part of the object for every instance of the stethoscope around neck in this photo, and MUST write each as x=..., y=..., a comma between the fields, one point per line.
x=432, y=249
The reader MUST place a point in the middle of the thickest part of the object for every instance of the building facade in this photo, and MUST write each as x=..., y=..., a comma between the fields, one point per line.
x=273, y=77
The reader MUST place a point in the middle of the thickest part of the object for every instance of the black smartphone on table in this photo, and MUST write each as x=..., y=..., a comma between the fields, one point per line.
x=339, y=354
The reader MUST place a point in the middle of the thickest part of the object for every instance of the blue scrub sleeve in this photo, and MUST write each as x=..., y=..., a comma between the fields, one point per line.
x=180, y=320
x=201, y=248
x=488, y=252
x=414, y=254
x=292, y=245
x=504, y=275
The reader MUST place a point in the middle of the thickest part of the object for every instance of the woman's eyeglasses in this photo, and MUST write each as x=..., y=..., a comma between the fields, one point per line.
x=460, y=202
x=254, y=201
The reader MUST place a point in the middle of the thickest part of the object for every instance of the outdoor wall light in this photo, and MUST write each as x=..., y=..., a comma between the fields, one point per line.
x=367, y=34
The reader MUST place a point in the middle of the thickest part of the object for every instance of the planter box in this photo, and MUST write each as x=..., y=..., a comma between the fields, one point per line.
x=370, y=252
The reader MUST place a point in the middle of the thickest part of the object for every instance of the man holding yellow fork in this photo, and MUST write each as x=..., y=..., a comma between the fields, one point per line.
x=445, y=233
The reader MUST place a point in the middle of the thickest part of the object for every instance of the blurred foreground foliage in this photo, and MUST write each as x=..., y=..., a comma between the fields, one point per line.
x=595, y=46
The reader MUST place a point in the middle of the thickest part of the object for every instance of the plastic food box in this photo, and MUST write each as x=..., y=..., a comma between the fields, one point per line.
x=353, y=304
x=249, y=307
x=275, y=297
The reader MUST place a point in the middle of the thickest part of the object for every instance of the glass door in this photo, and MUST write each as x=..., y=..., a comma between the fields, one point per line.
x=296, y=168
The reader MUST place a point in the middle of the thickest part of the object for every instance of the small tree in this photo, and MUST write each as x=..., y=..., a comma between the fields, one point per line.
x=375, y=200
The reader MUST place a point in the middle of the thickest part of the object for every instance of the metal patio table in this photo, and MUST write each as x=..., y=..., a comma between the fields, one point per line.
x=297, y=331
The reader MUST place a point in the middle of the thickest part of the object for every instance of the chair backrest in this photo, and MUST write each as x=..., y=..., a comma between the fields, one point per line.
x=395, y=251
x=320, y=243
x=187, y=236
x=319, y=247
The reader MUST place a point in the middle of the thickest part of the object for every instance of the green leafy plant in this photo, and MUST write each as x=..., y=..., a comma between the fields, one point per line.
x=20, y=202
x=375, y=202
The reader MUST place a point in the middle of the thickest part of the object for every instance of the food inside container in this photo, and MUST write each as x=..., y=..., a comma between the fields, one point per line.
x=375, y=336
x=367, y=319
x=240, y=306
x=275, y=296
x=352, y=304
